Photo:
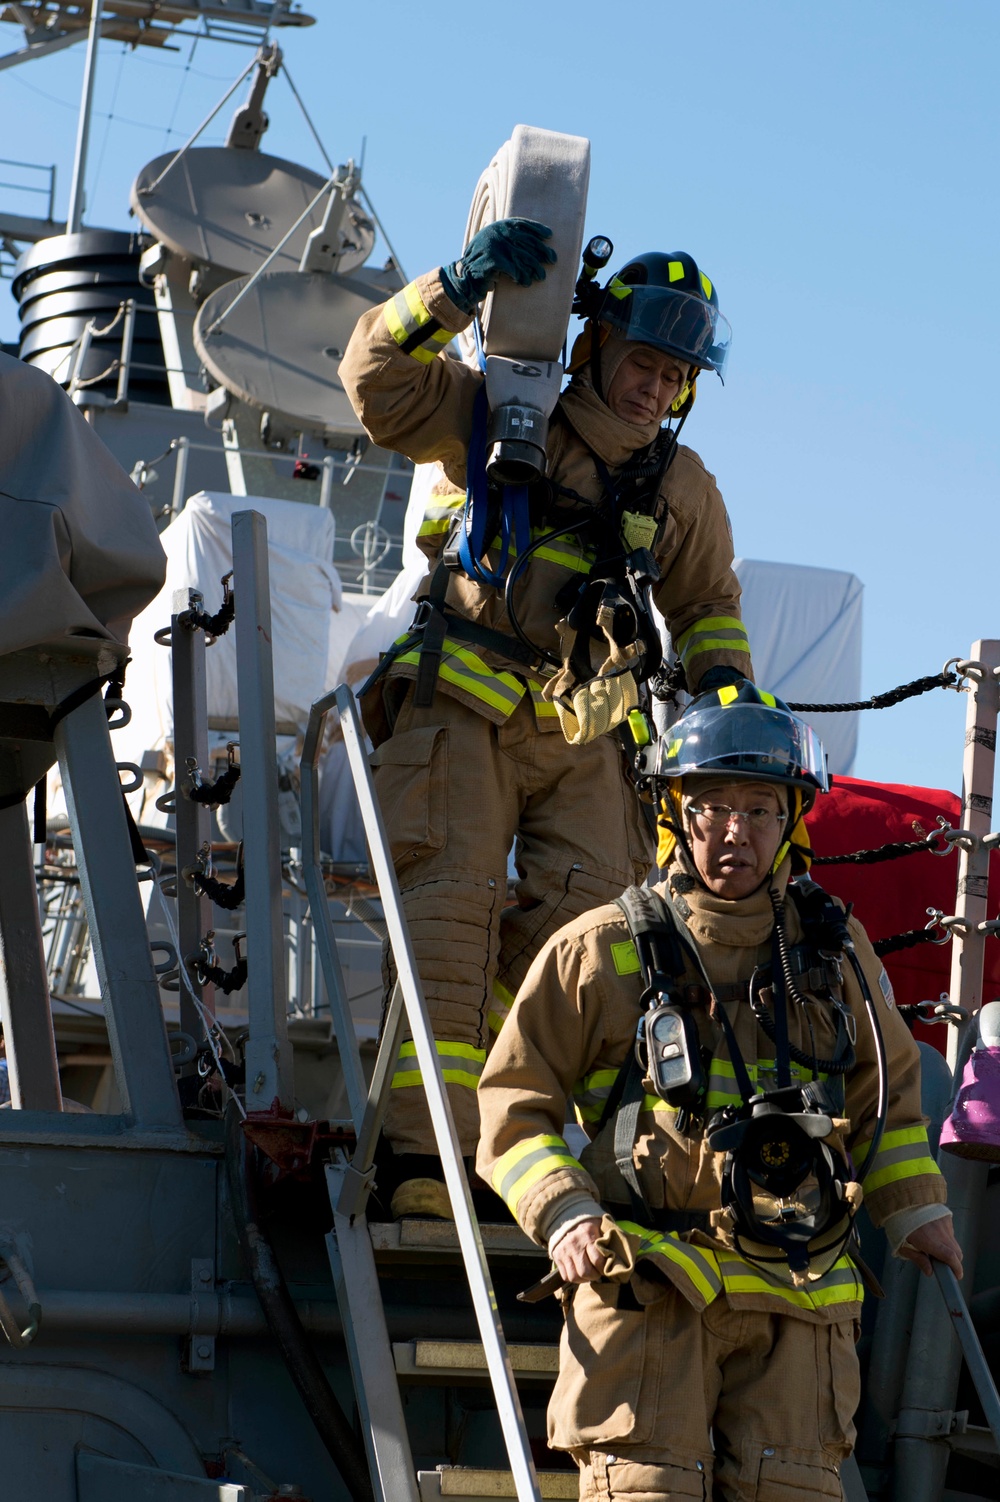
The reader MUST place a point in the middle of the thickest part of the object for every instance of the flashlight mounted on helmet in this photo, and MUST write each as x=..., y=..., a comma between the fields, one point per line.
x=589, y=295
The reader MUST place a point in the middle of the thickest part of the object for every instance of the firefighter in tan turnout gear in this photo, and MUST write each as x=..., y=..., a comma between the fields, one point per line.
x=723, y=1054
x=473, y=711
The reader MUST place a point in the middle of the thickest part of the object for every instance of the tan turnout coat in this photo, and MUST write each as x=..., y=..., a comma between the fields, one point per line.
x=570, y=1031
x=414, y=399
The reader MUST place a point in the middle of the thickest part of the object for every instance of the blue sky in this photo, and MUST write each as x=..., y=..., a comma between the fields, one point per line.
x=832, y=166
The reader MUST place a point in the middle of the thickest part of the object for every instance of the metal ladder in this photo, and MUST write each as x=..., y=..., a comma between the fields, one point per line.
x=374, y=1364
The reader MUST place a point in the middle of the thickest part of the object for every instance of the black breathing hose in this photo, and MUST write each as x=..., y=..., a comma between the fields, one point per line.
x=516, y=570
x=332, y=1424
x=808, y=1061
x=882, y=1107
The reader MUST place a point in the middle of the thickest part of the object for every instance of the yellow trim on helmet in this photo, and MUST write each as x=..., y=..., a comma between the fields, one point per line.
x=670, y=813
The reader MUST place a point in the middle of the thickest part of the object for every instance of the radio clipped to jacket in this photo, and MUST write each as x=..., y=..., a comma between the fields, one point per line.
x=668, y=1051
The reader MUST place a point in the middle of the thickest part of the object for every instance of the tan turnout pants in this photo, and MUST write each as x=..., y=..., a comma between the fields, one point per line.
x=749, y=1407
x=455, y=791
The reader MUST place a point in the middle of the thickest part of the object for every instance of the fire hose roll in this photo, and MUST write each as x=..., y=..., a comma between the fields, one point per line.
x=541, y=175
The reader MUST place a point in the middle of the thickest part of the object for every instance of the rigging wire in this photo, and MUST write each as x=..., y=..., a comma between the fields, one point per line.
x=95, y=176
x=180, y=93
x=308, y=118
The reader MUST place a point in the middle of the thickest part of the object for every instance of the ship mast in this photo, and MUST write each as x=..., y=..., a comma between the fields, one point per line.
x=77, y=194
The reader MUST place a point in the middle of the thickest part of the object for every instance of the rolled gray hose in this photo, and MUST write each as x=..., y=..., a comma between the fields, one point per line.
x=541, y=175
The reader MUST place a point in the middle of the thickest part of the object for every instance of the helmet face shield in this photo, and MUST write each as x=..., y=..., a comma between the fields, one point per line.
x=673, y=321
x=744, y=741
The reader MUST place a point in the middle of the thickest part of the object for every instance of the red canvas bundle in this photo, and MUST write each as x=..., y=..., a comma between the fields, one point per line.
x=891, y=897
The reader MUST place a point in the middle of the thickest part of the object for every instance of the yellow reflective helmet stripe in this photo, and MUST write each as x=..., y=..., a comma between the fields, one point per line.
x=522, y=1166
x=675, y=271
x=706, y=285
x=767, y=698
x=618, y=288
x=728, y=693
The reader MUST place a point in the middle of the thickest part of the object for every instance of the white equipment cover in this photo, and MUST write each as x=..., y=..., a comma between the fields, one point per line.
x=541, y=175
x=342, y=832
x=80, y=551
x=306, y=596
x=804, y=626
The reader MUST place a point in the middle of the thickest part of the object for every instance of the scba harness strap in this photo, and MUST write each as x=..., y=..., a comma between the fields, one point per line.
x=668, y=1052
x=628, y=518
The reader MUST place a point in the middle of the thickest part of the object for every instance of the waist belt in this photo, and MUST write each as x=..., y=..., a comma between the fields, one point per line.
x=665, y=1220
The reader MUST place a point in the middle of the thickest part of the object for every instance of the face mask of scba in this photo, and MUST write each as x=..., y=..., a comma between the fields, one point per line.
x=783, y=1185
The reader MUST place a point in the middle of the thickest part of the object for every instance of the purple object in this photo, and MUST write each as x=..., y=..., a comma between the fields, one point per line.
x=973, y=1128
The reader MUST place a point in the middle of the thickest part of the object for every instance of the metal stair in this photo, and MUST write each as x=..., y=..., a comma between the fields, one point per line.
x=468, y=1484
x=466, y=1359
x=371, y=1263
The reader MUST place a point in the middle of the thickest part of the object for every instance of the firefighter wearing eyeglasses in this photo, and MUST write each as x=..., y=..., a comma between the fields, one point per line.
x=731, y=1046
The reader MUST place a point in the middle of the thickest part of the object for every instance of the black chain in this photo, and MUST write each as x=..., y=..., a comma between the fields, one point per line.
x=226, y=981
x=227, y=895
x=905, y=941
x=883, y=701
x=218, y=624
x=889, y=852
x=216, y=793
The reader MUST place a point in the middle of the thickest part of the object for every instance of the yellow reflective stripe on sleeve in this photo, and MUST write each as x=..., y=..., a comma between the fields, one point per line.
x=697, y=1262
x=467, y=671
x=525, y=1164
x=424, y=354
x=841, y=1285
x=902, y=1154
x=710, y=623
x=503, y=1000
x=439, y=514
x=590, y=1094
x=625, y=959
x=405, y=315
x=461, y=1064
x=716, y=644
x=415, y=305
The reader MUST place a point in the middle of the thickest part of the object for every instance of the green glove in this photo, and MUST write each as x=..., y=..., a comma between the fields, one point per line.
x=508, y=247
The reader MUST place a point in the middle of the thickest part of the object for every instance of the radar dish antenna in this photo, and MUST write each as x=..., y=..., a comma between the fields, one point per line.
x=280, y=346
x=230, y=208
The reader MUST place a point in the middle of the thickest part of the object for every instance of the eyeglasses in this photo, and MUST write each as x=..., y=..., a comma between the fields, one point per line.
x=720, y=815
